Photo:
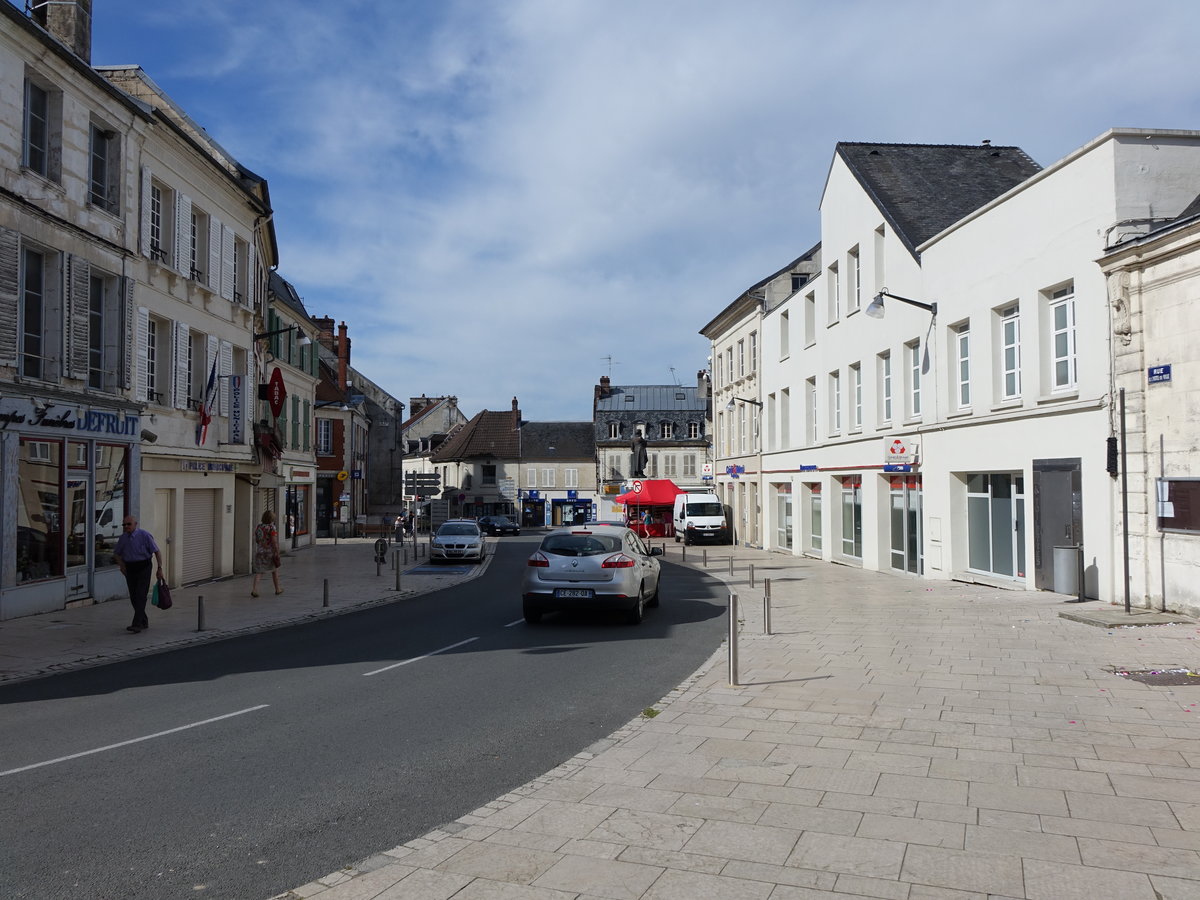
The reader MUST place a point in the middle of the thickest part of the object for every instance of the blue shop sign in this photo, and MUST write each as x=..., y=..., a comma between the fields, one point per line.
x=897, y=468
x=1158, y=374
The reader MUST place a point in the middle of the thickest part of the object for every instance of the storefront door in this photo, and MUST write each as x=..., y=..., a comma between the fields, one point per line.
x=80, y=533
x=996, y=524
x=907, y=553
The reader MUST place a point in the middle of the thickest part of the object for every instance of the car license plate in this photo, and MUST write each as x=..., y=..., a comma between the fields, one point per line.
x=573, y=593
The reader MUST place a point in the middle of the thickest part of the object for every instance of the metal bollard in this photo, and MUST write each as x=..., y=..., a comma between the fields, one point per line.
x=398, y=567
x=200, y=613
x=705, y=552
x=733, y=632
x=684, y=552
x=731, y=565
x=766, y=606
x=325, y=593
x=751, y=574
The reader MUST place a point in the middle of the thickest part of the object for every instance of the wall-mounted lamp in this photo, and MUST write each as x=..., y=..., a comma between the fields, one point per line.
x=304, y=340
x=875, y=307
x=734, y=401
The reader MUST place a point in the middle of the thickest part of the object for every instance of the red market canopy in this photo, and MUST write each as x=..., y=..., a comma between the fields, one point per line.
x=654, y=492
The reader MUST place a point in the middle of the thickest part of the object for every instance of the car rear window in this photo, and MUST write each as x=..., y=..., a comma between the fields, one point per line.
x=458, y=529
x=581, y=544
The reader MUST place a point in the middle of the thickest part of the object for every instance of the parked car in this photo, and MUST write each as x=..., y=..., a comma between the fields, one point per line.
x=499, y=525
x=458, y=539
x=592, y=566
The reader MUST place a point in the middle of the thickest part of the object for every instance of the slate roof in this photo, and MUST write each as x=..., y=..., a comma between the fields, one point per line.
x=283, y=289
x=1192, y=209
x=570, y=440
x=922, y=189
x=488, y=434
x=649, y=397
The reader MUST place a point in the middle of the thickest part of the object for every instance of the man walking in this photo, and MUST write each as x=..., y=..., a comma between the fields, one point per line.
x=134, y=549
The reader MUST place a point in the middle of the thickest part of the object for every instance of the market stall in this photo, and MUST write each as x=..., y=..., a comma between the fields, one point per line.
x=648, y=505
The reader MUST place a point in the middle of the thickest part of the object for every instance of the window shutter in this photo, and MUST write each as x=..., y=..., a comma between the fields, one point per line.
x=251, y=298
x=10, y=254
x=228, y=249
x=183, y=234
x=225, y=369
x=79, y=274
x=183, y=337
x=214, y=253
x=212, y=348
x=144, y=237
x=143, y=342
x=307, y=426
x=128, y=360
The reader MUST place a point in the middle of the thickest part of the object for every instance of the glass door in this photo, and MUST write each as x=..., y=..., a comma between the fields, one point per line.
x=907, y=553
x=80, y=532
x=996, y=524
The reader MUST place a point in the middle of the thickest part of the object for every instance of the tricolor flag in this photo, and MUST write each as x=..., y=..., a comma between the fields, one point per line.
x=207, y=405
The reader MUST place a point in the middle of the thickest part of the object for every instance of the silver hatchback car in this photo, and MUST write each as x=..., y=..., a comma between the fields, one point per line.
x=591, y=566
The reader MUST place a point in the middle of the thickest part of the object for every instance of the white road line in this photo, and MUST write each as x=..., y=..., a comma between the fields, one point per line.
x=405, y=662
x=51, y=762
x=517, y=622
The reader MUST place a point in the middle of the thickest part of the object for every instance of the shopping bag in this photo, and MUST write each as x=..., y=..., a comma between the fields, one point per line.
x=154, y=595
x=162, y=591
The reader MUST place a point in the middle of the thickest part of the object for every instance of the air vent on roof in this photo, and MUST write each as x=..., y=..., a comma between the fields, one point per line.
x=679, y=395
x=629, y=398
x=873, y=153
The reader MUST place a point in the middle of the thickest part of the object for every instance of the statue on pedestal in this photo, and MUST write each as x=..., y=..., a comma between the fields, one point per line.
x=638, y=469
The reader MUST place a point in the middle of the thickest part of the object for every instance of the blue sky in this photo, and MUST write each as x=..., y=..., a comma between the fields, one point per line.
x=497, y=195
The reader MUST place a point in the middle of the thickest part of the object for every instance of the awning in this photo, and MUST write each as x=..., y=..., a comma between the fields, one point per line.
x=654, y=492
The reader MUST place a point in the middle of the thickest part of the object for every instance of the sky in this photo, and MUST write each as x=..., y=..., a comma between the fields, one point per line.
x=512, y=198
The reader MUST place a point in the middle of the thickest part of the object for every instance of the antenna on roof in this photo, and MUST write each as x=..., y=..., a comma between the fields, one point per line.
x=610, y=362
x=673, y=375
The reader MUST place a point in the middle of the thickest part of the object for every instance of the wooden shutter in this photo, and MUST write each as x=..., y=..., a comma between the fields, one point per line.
x=10, y=255
x=251, y=298
x=129, y=361
x=228, y=249
x=183, y=234
x=144, y=236
x=141, y=394
x=179, y=390
x=79, y=285
x=225, y=369
x=214, y=254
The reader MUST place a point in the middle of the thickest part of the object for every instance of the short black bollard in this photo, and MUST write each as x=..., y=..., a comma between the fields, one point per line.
x=766, y=606
x=751, y=574
x=684, y=551
x=325, y=593
x=731, y=565
x=398, y=567
x=200, y=613
x=705, y=552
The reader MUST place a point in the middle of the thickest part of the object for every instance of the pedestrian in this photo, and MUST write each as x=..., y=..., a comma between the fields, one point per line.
x=266, y=552
x=134, y=549
x=399, y=526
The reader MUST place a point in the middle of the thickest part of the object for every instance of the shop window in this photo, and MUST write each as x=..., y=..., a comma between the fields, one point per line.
x=39, y=536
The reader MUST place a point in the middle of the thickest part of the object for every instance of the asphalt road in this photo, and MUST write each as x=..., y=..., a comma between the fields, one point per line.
x=242, y=768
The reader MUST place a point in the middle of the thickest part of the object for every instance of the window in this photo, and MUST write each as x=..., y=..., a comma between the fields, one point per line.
x=104, y=189
x=741, y=359
x=1178, y=504
x=531, y=477
x=962, y=353
x=668, y=430
x=753, y=351
x=41, y=314
x=693, y=431
x=1010, y=352
x=854, y=288
x=785, y=417
x=295, y=421
x=489, y=474
x=720, y=370
x=913, y=352
x=39, y=511
x=810, y=319
x=241, y=285
x=689, y=465
x=835, y=402
x=104, y=332
x=197, y=257
x=41, y=147
x=784, y=350
x=548, y=478
x=729, y=362
x=669, y=465
x=852, y=516
x=743, y=431
x=614, y=430
x=856, y=416
x=880, y=257
x=834, y=288
x=570, y=478
x=721, y=434
x=814, y=518
x=153, y=387
x=324, y=437
x=1062, y=329
x=885, y=387
x=810, y=395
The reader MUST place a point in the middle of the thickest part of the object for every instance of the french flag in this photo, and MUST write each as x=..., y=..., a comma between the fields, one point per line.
x=207, y=405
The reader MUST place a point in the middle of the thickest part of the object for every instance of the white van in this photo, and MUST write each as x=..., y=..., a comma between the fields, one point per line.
x=700, y=517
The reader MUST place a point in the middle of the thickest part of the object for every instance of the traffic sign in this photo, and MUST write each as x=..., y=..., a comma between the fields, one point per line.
x=426, y=478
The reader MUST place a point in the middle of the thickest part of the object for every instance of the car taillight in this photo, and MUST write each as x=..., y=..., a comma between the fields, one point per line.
x=538, y=560
x=620, y=561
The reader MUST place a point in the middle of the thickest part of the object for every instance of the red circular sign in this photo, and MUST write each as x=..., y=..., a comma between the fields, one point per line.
x=276, y=392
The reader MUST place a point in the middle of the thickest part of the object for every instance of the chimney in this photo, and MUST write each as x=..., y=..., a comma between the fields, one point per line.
x=343, y=355
x=70, y=23
x=702, y=383
x=325, y=333
x=516, y=415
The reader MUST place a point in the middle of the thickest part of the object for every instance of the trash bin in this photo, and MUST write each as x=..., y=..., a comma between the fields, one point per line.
x=1066, y=569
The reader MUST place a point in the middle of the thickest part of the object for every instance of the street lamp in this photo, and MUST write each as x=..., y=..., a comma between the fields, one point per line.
x=731, y=405
x=304, y=340
x=875, y=307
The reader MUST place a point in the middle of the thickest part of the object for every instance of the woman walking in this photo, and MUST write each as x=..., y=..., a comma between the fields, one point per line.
x=266, y=552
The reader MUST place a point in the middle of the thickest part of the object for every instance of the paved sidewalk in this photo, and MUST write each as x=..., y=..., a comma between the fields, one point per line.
x=83, y=636
x=894, y=739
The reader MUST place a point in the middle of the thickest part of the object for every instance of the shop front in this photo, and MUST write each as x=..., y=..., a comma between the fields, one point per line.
x=65, y=488
x=297, y=502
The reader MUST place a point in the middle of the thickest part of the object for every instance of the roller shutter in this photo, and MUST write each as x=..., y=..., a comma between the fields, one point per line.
x=199, y=525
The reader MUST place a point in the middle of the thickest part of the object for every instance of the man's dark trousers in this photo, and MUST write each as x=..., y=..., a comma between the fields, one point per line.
x=137, y=577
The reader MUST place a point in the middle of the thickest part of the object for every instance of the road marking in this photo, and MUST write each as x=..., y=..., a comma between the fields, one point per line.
x=517, y=622
x=51, y=762
x=405, y=662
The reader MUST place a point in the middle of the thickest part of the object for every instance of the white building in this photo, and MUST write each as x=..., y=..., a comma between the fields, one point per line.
x=1153, y=281
x=964, y=434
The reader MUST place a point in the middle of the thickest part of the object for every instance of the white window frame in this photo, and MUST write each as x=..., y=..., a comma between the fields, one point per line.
x=531, y=477
x=753, y=352
x=741, y=359
x=962, y=367
x=693, y=431
x=835, y=402
x=810, y=388
x=810, y=318
x=913, y=351
x=833, y=289
x=784, y=337
x=885, y=387
x=570, y=478
x=856, y=420
x=668, y=430
x=1010, y=352
x=614, y=430
x=854, y=289
x=1064, y=375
